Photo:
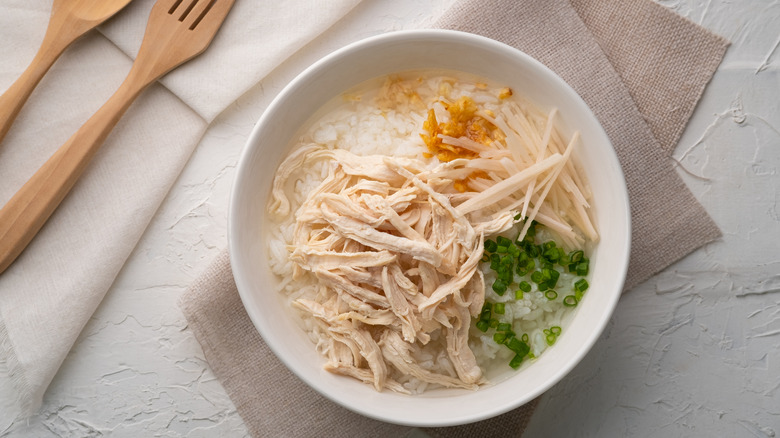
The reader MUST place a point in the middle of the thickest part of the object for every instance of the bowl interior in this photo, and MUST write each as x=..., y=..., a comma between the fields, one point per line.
x=380, y=56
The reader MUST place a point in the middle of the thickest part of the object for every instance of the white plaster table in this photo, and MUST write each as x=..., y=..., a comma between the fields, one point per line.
x=694, y=351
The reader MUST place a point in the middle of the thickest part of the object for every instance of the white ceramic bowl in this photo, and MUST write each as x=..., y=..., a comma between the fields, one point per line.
x=382, y=55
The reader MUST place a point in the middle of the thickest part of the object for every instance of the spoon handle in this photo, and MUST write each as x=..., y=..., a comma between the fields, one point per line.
x=27, y=211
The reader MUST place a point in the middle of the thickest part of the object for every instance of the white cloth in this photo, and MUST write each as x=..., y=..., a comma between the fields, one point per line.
x=50, y=292
x=256, y=38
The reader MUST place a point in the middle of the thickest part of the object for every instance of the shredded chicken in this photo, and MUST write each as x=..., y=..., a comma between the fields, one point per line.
x=395, y=243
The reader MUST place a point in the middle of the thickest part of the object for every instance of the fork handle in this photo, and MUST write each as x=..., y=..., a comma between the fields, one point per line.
x=26, y=212
x=16, y=95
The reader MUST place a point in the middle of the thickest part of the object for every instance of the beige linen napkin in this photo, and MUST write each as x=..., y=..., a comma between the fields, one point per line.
x=50, y=292
x=640, y=67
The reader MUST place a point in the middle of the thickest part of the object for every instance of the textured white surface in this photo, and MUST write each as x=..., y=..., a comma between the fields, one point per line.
x=691, y=352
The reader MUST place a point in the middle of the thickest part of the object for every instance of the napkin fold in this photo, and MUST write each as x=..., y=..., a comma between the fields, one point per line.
x=255, y=39
x=641, y=69
x=50, y=292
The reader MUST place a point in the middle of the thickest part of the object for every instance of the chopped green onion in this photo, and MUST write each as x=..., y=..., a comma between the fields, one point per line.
x=518, y=216
x=549, y=278
x=499, y=286
x=518, y=346
x=516, y=361
x=522, y=258
x=507, y=261
x=484, y=315
x=495, y=259
x=581, y=285
x=519, y=264
x=570, y=301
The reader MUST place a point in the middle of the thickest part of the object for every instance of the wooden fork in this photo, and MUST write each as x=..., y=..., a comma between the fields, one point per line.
x=69, y=20
x=178, y=30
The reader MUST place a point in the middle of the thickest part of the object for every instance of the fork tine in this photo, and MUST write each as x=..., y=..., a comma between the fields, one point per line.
x=198, y=12
x=184, y=11
x=174, y=4
x=166, y=5
x=213, y=13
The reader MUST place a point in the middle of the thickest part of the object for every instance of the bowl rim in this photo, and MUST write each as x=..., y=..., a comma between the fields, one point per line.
x=243, y=168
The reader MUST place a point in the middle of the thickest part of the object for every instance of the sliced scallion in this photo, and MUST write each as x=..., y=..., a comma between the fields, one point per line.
x=516, y=361
x=570, y=301
x=518, y=346
x=499, y=286
x=581, y=285
x=484, y=315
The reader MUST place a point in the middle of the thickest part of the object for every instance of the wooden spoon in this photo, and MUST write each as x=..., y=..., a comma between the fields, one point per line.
x=69, y=20
x=178, y=30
